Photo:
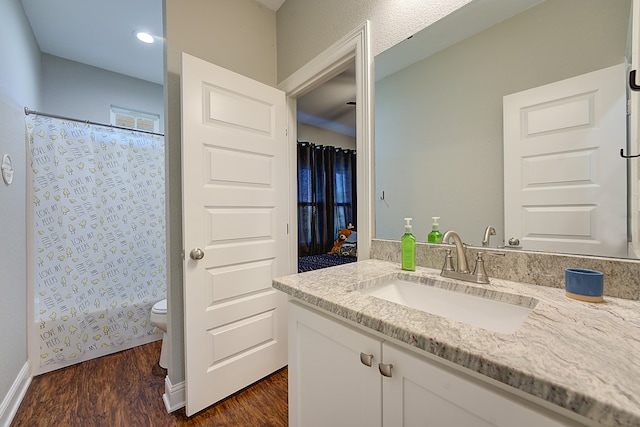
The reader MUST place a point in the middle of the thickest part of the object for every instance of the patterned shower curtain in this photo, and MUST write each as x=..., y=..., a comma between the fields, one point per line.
x=99, y=238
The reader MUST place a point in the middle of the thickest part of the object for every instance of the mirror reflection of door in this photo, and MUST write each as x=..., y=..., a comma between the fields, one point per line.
x=564, y=177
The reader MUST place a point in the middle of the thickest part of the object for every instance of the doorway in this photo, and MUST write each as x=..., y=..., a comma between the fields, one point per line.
x=351, y=51
x=326, y=174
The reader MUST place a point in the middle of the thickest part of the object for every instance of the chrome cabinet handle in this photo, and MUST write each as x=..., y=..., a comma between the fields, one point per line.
x=366, y=359
x=385, y=370
x=196, y=254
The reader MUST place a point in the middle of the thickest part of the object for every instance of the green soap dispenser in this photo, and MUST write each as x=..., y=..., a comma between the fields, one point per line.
x=435, y=236
x=408, y=243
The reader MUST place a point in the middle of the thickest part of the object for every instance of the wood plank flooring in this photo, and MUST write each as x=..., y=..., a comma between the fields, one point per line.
x=125, y=389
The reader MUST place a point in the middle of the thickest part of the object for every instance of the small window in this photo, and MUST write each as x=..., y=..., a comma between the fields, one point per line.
x=135, y=119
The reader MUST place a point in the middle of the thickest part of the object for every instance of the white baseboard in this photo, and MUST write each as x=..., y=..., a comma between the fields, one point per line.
x=14, y=397
x=174, y=395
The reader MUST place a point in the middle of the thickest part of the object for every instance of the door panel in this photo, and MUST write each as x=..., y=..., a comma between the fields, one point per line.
x=565, y=183
x=235, y=190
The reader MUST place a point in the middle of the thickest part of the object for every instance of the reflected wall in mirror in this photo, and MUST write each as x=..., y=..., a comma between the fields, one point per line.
x=439, y=121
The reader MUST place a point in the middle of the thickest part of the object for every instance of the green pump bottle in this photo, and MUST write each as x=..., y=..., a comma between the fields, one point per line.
x=408, y=243
x=435, y=236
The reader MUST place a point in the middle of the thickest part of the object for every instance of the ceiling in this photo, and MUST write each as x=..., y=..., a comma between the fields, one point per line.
x=101, y=34
x=326, y=106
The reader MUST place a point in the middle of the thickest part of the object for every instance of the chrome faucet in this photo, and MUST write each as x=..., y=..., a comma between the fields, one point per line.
x=463, y=267
x=488, y=232
x=479, y=274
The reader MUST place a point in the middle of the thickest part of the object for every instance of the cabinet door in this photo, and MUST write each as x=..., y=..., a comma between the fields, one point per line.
x=328, y=383
x=423, y=393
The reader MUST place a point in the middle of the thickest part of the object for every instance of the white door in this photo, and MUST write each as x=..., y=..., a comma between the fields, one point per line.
x=565, y=182
x=235, y=194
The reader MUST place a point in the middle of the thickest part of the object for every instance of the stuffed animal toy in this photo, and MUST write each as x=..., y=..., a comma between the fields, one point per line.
x=342, y=236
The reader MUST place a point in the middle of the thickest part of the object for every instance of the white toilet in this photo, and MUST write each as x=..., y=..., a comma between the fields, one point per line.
x=159, y=319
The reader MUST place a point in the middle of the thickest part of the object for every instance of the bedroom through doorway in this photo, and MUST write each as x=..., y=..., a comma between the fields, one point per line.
x=326, y=174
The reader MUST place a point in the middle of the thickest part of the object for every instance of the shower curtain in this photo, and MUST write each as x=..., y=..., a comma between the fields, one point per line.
x=99, y=238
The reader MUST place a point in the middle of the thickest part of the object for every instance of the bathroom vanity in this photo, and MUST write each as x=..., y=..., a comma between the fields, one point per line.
x=359, y=359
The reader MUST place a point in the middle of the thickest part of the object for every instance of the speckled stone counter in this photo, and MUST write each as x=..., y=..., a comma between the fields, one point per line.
x=622, y=276
x=580, y=356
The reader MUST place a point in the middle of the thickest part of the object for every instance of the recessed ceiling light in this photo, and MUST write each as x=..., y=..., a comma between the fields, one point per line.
x=144, y=37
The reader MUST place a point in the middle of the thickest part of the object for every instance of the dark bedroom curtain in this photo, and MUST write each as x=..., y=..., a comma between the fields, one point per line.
x=326, y=195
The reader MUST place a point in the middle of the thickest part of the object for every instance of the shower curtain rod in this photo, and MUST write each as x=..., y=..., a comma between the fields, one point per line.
x=27, y=111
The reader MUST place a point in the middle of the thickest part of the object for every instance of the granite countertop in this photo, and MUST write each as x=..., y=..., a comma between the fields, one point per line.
x=581, y=356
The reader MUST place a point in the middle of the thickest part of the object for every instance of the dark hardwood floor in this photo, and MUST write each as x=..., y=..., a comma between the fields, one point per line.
x=125, y=389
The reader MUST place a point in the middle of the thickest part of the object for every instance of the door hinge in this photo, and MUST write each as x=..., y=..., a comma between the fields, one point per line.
x=286, y=132
x=287, y=228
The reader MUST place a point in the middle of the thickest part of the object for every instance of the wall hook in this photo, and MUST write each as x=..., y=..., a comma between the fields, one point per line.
x=382, y=199
x=632, y=156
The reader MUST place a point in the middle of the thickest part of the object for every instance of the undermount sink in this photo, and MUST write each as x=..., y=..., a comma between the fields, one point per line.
x=491, y=310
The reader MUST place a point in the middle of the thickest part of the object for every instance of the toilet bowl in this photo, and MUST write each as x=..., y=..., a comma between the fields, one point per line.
x=159, y=319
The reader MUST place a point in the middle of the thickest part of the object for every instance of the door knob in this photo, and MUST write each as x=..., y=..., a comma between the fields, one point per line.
x=196, y=254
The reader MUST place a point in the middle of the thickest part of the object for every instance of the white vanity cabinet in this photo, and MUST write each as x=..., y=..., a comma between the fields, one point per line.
x=330, y=385
x=423, y=392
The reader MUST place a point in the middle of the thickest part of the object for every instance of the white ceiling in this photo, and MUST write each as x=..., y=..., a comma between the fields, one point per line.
x=326, y=106
x=101, y=34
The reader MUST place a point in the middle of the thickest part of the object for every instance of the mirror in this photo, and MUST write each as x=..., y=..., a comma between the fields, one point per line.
x=439, y=121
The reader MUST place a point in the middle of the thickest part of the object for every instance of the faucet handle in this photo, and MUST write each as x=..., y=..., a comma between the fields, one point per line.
x=448, y=262
x=479, y=271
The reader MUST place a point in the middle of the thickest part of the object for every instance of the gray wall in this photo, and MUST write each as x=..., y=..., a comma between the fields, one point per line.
x=239, y=35
x=308, y=27
x=322, y=136
x=19, y=87
x=438, y=124
x=84, y=92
